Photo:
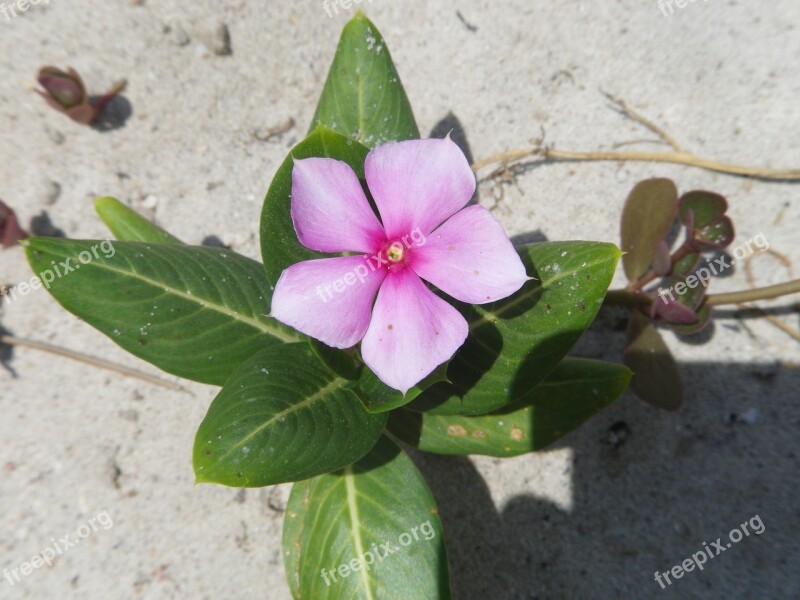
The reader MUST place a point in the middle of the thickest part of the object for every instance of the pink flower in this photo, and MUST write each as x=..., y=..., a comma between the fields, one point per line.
x=420, y=188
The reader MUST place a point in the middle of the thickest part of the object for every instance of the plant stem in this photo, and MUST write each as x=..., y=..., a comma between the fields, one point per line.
x=678, y=255
x=626, y=297
x=677, y=156
x=89, y=360
x=772, y=291
x=106, y=98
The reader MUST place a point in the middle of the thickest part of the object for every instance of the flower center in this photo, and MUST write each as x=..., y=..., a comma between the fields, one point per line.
x=395, y=252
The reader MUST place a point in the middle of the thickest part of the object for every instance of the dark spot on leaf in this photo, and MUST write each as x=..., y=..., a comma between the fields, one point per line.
x=208, y=452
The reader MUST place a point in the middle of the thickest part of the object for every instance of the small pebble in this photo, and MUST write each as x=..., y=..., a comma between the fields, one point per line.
x=177, y=34
x=52, y=191
x=276, y=498
x=55, y=135
x=750, y=416
x=222, y=41
x=618, y=434
x=150, y=202
x=129, y=415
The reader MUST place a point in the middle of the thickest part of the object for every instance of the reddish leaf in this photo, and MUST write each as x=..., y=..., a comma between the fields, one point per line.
x=10, y=231
x=706, y=207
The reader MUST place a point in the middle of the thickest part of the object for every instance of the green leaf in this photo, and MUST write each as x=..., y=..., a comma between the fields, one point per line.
x=662, y=260
x=279, y=245
x=646, y=219
x=128, y=225
x=379, y=397
x=706, y=207
x=656, y=379
x=573, y=392
x=282, y=416
x=513, y=344
x=192, y=311
x=363, y=98
x=715, y=236
x=346, y=518
x=687, y=264
x=341, y=362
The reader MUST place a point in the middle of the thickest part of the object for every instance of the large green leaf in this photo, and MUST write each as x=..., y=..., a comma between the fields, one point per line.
x=363, y=98
x=335, y=524
x=282, y=416
x=192, y=311
x=648, y=215
x=279, y=245
x=513, y=344
x=128, y=225
x=573, y=392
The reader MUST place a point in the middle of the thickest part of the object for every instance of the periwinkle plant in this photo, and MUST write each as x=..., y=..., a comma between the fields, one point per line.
x=488, y=374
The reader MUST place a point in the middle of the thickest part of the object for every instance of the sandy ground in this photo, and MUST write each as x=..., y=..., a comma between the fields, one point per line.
x=594, y=516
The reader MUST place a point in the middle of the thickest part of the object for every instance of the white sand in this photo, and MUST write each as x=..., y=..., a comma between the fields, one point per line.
x=582, y=520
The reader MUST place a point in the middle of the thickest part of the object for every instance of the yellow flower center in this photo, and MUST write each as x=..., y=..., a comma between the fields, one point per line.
x=395, y=252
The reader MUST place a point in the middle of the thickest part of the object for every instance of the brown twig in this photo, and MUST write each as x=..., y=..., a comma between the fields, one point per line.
x=748, y=271
x=89, y=360
x=677, y=156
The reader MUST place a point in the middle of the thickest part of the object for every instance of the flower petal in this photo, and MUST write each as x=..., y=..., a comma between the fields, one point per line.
x=418, y=183
x=470, y=258
x=329, y=209
x=329, y=299
x=411, y=333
